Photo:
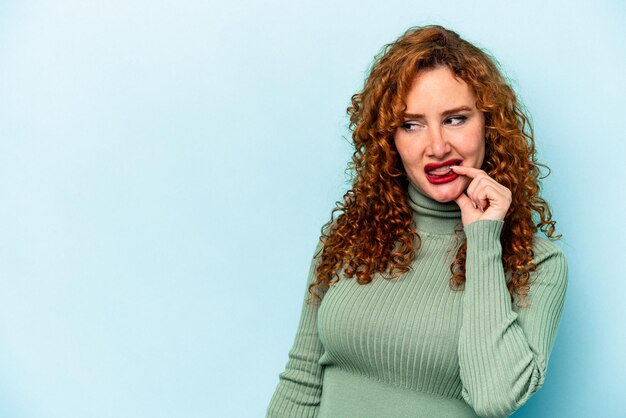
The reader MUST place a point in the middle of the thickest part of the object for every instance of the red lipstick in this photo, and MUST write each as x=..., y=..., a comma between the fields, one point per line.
x=444, y=177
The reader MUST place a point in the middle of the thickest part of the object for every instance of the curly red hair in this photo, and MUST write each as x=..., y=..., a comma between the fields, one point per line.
x=374, y=231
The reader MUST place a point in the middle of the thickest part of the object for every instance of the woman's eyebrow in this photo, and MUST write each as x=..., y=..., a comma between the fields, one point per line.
x=445, y=113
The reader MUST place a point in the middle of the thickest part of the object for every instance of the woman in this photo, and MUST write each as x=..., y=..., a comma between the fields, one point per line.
x=430, y=295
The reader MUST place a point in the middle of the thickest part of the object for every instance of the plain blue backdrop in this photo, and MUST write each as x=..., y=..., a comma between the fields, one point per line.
x=166, y=167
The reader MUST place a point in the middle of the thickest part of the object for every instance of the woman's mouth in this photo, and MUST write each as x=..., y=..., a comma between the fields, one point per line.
x=440, y=173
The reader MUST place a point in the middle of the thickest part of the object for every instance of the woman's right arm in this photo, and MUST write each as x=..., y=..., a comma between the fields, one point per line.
x=300, y=385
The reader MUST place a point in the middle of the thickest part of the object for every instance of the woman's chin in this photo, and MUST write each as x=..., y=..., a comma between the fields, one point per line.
x=447, y=199
x=446, y=194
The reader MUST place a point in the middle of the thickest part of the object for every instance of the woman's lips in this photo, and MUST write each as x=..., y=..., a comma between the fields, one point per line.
x=439, y=173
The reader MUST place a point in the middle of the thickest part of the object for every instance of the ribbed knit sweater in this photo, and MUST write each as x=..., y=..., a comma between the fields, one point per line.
x=412, y=346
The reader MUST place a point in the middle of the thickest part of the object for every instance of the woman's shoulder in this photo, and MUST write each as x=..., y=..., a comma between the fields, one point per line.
x=550, y=261
x=545, y=248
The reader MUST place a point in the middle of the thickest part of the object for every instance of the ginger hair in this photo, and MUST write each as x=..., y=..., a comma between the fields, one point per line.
x=374, y=230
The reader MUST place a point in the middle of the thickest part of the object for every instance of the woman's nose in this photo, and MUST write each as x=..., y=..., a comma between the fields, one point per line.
x=438, y=145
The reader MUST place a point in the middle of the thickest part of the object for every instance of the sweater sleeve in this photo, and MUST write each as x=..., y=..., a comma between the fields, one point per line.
x=504, y=350
x=300, y=385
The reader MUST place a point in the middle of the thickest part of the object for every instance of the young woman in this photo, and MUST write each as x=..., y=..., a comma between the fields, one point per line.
x=430, y=295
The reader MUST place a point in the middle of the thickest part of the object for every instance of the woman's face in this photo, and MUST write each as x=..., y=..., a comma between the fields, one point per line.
x=442, y=126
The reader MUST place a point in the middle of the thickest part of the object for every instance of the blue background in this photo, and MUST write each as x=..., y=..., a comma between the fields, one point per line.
x=166, y=167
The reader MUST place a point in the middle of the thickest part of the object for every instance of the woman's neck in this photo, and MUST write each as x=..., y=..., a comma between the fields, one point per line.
x=431, y=216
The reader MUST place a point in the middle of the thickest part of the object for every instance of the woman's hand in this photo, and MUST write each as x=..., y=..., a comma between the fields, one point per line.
x=484, y=198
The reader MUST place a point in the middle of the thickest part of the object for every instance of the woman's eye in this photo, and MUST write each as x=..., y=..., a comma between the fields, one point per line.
x=409, y=126
x=456, y=120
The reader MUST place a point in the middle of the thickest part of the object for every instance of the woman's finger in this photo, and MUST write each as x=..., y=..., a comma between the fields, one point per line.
x=467, y=171
x=484, y=197
x=464, y=202
x=476, y=183
x=469, y=213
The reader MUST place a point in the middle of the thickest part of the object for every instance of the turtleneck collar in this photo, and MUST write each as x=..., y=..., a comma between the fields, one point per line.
x=432, y=216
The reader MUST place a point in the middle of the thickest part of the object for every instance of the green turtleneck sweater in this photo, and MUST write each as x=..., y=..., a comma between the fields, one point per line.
x=413, y=347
